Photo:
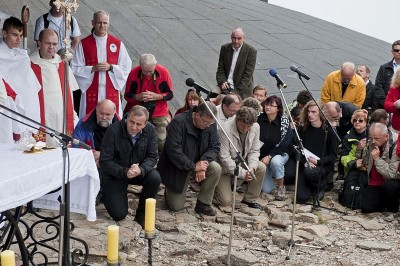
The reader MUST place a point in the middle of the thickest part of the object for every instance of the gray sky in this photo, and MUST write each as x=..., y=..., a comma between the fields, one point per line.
x=371, y=17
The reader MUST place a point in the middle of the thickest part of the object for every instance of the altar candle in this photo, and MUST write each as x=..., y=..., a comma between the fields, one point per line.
x=112, y=244
x=150, y=215
x=7, y=258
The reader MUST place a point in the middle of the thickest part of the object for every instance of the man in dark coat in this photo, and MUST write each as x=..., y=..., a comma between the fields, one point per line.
x=128, y=156
x=386, y=71
x=236, y=65
x=190, y=149
x=375, y=96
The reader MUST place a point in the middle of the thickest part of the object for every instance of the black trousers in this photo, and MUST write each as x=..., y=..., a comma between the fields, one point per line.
x=380, y=198
x=309, y=179
x=115, y=195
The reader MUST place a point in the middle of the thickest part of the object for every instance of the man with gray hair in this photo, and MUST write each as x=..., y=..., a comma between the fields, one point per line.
x=101, y=65
x=236, y=64
x=191, y=148
x=92, y=128
x=149, y=84
x=382, y=162
x=344, y=85
x=244, y=133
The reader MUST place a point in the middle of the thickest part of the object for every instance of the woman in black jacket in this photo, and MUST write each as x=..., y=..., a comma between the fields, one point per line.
x=276, y=136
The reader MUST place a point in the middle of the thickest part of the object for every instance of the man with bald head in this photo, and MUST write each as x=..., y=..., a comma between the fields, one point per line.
x=344, y=85
x=49, y=70
x=236, y=64
x=93, y=126
x=101, y=65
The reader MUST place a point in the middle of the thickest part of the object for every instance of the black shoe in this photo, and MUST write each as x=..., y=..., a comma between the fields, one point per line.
x=202, y=208
x=253, y=205
x=139, y=218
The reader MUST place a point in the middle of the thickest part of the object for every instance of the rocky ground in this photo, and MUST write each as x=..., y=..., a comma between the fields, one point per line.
x=260, y=237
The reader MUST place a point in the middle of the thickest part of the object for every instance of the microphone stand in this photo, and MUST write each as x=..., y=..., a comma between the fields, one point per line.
x=238, y=160
x=298, y=146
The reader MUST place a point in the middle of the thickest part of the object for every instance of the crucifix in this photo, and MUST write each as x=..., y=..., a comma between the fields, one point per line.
x=68, y=7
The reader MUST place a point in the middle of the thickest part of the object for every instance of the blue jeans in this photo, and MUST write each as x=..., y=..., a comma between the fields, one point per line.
x=276, y=170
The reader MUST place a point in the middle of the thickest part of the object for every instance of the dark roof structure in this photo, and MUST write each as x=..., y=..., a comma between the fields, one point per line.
x=186, y=35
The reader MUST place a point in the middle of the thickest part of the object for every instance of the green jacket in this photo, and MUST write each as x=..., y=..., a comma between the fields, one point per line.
x=349, y=148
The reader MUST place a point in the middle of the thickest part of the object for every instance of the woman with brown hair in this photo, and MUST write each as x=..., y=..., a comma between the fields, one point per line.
x=192, y=99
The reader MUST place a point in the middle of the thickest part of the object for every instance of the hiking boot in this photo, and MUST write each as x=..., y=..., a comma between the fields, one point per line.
x=253, y=205
x=280, y=193
x=202, y=208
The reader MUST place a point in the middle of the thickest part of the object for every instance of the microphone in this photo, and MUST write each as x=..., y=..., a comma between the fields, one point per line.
x=274, y=74
x=74, y=141
x=191, y=83
x=298, y=71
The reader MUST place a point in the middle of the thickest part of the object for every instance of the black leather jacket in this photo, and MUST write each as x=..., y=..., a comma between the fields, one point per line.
x=118, y=153
x=384, y=76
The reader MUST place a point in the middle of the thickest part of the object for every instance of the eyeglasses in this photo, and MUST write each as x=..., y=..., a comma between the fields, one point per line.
x=358, y=120
x=230, y=110
x=396, y=50
x=271, y=105
x=205, y=122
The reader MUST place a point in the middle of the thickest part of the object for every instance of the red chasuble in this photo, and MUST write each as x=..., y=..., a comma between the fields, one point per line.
x=40, y=136
x=90, y=52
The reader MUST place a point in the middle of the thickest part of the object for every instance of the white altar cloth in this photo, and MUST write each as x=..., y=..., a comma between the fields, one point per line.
x=25, y=177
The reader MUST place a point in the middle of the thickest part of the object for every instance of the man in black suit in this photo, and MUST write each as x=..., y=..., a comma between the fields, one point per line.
x=375, y=96
x=236, y=65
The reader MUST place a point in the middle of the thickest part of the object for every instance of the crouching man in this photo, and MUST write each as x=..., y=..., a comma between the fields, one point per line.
x=244, y=132
x=190, y=149
x=383, y=190
x=128, y=156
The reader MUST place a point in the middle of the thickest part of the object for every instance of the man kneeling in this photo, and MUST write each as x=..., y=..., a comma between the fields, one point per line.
x=190, y=149
x=383, y=189
x=128, y=156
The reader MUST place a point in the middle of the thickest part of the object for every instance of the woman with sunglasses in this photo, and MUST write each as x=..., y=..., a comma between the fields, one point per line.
x=354, y=140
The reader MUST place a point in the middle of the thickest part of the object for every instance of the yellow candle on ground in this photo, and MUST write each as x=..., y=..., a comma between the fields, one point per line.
x=7, y=258
x=112, y=243
x=150, y=215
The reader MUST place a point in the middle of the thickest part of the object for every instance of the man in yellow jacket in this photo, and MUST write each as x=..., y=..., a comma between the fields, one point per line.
x=344, y=85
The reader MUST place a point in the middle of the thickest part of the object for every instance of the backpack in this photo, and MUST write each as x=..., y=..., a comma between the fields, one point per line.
x=46, y=22
x=350, y=192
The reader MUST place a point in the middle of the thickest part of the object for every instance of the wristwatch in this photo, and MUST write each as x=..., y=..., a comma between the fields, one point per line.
x=111, y=68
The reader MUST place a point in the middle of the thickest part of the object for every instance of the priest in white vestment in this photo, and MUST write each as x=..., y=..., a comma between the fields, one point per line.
x=49, y=69
x=101, y=65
